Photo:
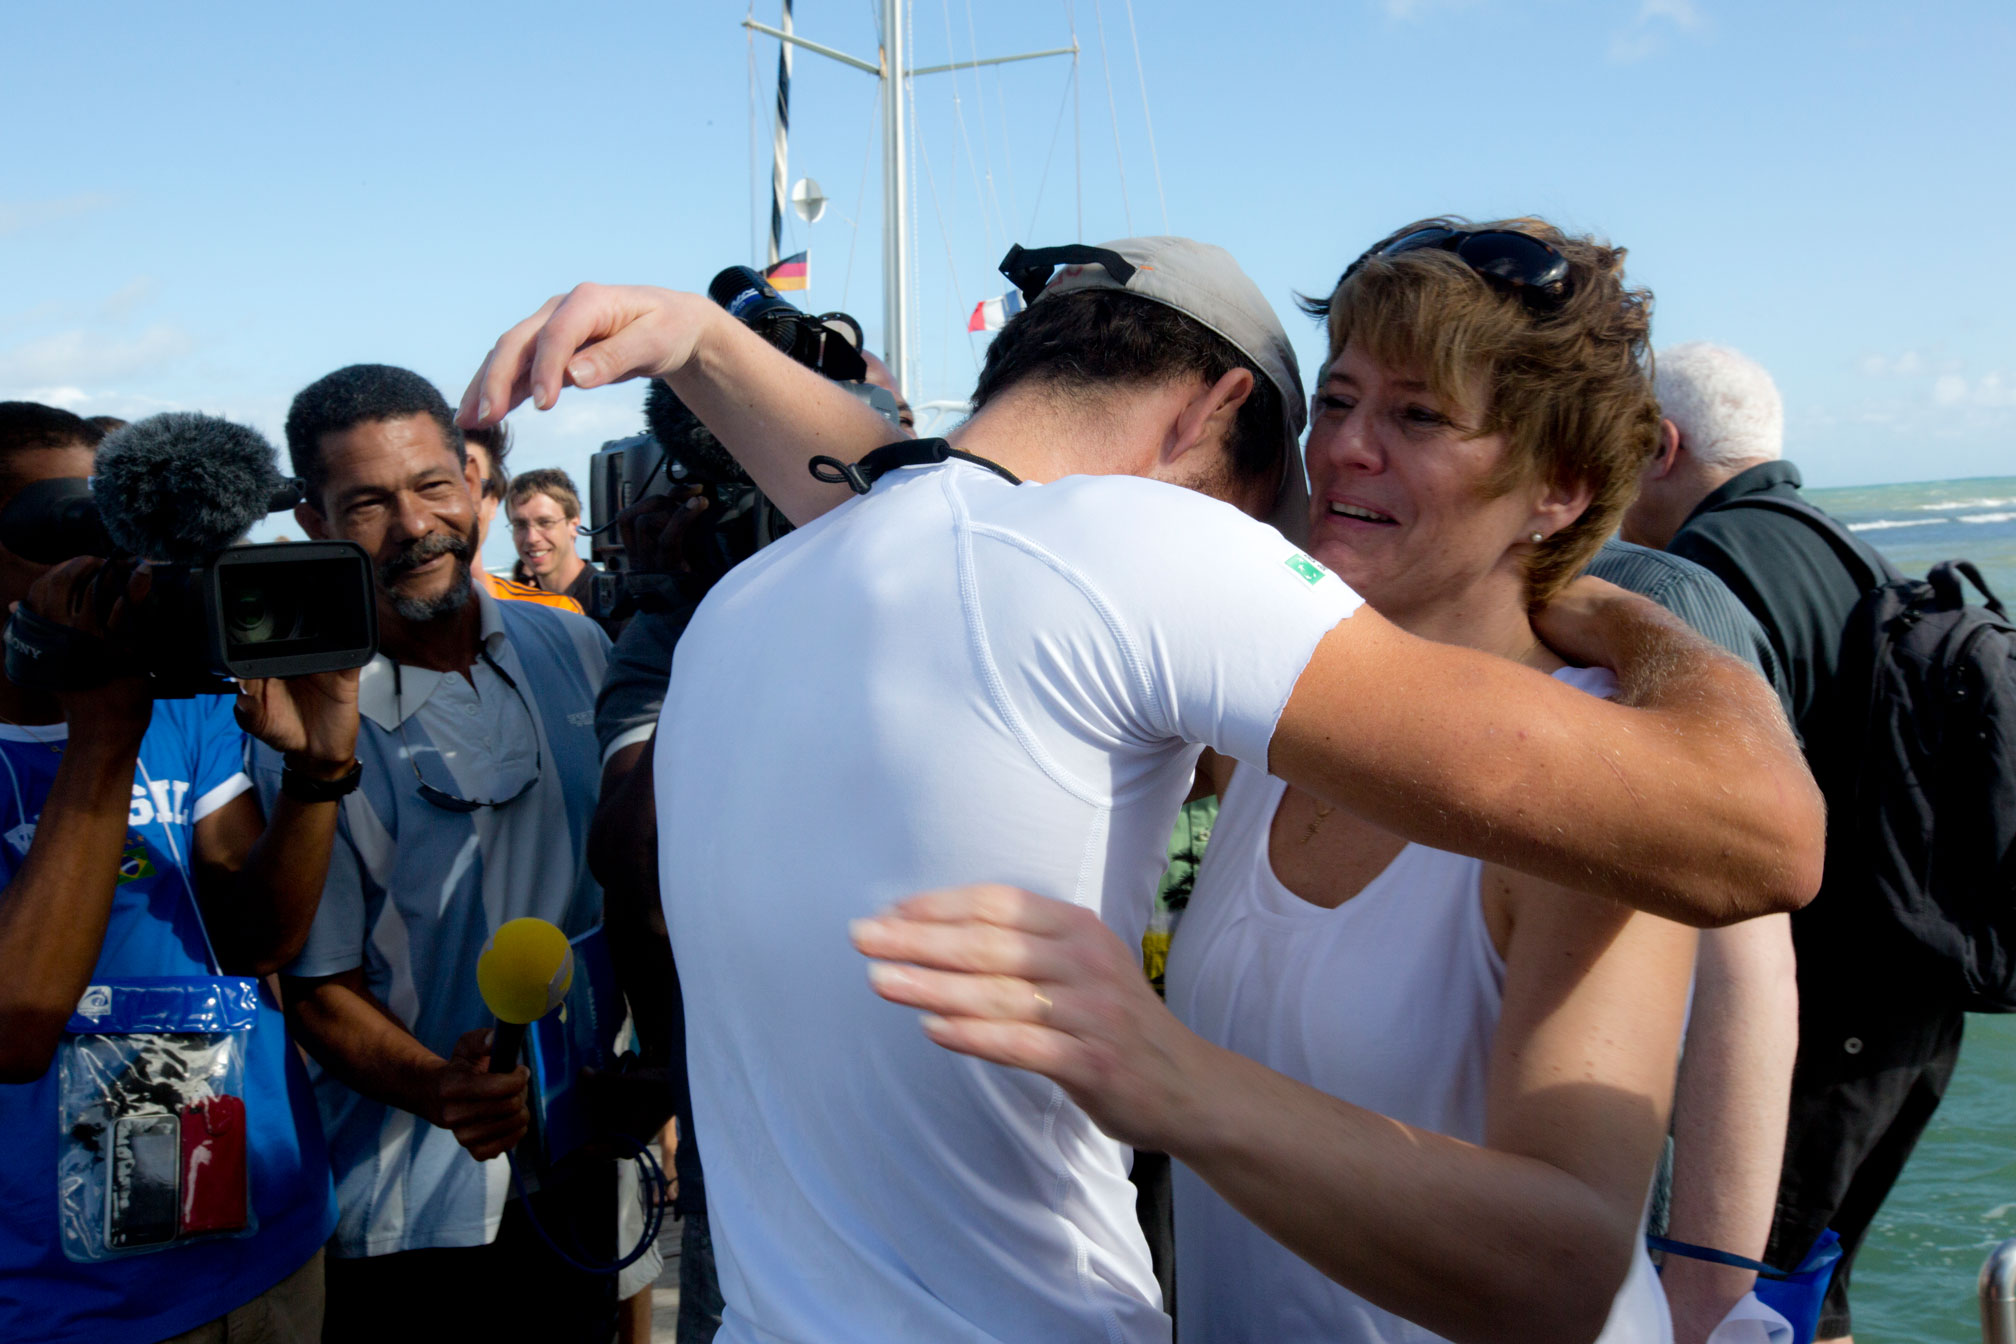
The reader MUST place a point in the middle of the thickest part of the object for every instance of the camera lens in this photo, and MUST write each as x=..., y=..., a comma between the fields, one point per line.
x=253, y=614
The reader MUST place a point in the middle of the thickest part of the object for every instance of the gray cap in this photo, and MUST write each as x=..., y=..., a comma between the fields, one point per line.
x=1205, y=284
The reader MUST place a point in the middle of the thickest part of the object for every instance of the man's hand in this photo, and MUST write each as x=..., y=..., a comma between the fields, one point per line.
x=486, y=1111
x=654, y=530
x=591, y=336
x=770, y=412
x=99, y=598
x=1580, y=621
x=312, y=720
x=1032, y=983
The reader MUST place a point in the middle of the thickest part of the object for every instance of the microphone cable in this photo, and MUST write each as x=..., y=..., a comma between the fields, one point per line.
x=651, y=1184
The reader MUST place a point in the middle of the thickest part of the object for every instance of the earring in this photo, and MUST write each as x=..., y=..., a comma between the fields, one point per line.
x=1537, y=538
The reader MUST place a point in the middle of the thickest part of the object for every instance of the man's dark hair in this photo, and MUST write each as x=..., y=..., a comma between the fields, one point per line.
x=108, y=423
x=1084, y=339
x=26, y=426
x=496, y=441
x=358, y=395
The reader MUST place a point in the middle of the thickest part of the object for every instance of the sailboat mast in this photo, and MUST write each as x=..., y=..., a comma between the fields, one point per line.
x=780, y=142
x=895, y=199
x=894, y=75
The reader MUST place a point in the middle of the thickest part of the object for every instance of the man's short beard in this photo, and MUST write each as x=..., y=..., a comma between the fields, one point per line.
x=420, y=610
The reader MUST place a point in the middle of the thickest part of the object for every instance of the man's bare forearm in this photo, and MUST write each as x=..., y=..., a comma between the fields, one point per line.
x=623, y=855
x=773, y=413
x=53, y=915
x=261, y=906
x=1695, y=805
x=351, y=1035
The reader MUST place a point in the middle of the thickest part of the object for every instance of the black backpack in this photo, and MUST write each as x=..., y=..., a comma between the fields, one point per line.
x=1919, y=764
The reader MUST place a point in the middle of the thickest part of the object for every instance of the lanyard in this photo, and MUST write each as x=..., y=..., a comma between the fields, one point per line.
x=861, y=476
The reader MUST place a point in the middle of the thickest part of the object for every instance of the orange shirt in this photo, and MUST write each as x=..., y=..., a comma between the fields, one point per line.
x=508, y=590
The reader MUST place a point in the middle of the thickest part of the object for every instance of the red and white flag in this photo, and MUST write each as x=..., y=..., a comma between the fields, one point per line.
x=993, y=314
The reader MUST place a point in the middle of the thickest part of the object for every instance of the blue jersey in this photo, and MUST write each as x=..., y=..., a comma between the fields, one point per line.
x=191, y=764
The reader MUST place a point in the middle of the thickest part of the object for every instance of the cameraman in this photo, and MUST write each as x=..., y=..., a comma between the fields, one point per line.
x=132, y=848
x=672, y=535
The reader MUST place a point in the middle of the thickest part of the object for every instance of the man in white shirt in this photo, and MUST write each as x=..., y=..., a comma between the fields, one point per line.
x=999, y=663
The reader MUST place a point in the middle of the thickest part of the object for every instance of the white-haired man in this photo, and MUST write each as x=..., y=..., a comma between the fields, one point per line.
x=1877, y=1042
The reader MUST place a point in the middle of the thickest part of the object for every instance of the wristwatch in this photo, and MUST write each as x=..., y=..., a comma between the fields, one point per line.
x=304, y=788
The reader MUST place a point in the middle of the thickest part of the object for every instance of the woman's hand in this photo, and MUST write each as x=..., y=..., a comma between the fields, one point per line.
x=1038, y=984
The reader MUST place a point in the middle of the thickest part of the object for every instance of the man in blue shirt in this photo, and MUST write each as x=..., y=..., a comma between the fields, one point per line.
x=135, y=860
x=479, y=779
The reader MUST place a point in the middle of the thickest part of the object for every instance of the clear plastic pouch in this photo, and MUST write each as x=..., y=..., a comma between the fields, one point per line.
x=152, y=1143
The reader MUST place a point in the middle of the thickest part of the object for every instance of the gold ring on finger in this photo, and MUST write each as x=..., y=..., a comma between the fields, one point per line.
x=1044, y=1005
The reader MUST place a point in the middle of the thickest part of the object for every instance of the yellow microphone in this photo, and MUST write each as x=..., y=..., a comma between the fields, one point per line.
x=523, y=973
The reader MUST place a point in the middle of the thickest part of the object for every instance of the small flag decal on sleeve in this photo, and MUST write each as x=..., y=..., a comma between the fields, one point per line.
x=1306, y=569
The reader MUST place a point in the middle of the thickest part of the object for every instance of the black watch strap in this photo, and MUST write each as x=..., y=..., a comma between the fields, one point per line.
x=308, y=789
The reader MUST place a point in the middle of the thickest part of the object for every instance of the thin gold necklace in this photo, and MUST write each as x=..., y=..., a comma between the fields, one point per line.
x=53, y=744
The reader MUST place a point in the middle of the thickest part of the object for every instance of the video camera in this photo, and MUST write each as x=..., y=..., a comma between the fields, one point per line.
x=178, y=490
x=677, y=450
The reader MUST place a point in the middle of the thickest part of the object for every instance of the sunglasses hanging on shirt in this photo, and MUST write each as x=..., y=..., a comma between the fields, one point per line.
x=454, y=802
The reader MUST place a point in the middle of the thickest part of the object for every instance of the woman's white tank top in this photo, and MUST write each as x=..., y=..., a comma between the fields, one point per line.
x=1390, y=1001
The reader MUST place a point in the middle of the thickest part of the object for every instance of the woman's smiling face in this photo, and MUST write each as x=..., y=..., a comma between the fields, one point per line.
x=1406, y=501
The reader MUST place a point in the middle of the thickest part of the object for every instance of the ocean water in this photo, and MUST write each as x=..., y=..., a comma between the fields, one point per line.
x=1914, y=1281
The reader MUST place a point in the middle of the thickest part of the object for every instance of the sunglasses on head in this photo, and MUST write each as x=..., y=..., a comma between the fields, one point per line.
x=1513, y=261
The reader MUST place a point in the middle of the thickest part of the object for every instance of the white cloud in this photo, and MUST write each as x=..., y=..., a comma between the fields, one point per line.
x=16, y=216
x=1403, y=11
x=1681, y=13
x=125, y=405
x=121, y=304
x=1646, y=34
x=1989, y=390
x=81, y=358
x=1905, y=365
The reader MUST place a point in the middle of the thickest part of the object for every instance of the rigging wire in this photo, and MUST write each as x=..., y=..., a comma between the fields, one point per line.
x=1077, y=121
x=913, y=305
x=755, y=243
x=944, y=233
x=1063, y=105
x=959, y=116
x=1007, y=156
x=861, y=193
x=986, y=144
x=1112, y=106
x=1141, y=73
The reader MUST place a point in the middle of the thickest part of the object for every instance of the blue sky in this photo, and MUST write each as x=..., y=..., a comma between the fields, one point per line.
x=208, y=206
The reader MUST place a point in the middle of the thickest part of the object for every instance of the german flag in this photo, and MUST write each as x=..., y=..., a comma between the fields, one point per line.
x=794, y=272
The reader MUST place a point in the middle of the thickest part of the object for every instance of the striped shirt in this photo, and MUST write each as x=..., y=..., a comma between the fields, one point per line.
x=510, y=590
x=415, y=889
x=1697, y=597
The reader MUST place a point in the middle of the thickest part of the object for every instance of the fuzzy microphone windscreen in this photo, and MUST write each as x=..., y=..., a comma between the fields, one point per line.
x=179, y=485
x=680, y=433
